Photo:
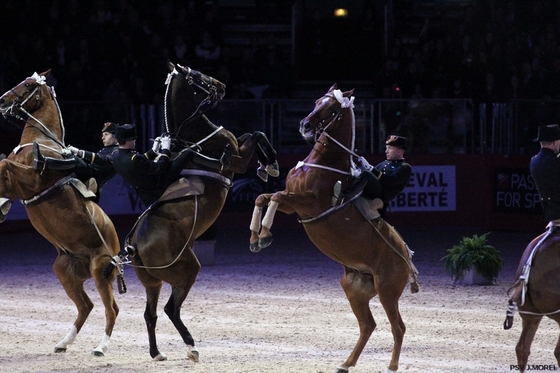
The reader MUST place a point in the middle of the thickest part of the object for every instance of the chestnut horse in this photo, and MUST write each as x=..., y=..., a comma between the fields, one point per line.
x=164, y=235
x=535, y=293
x=374, y=258
x=81, y=232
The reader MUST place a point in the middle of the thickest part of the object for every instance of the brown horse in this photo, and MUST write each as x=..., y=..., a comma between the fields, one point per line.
x=535, y=293
x=163, y=236
x=374, y=258
x=81, y=232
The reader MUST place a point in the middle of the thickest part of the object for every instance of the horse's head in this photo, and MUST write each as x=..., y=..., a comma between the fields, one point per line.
x=327, y=114
x=189, y=94
x=26, y=97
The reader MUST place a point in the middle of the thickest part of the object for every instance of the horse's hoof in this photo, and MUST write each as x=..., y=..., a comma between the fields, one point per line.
x=160, y=357
x=58, y=350
x=273, y=169
x=97, y=353
x=254, y=247
x=193, y=355
x=265, y=242
x=5, y=207
x=262, y=174
x=341, y=370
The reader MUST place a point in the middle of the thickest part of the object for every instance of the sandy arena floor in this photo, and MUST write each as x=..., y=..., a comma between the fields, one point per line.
x=281, y=310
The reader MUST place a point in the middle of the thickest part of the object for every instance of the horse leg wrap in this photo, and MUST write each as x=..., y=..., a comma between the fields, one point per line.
x=269, y=216
x=256, y=219
x=508, y=323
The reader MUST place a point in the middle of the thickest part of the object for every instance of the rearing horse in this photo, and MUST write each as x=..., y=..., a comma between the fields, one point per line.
x=81, y=232
x=536, y=292
x=374, y=258
x=164, y=235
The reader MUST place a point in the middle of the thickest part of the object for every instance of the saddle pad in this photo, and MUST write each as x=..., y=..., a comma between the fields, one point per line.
x=368, y=207
x=81, y=187
x=185, y=186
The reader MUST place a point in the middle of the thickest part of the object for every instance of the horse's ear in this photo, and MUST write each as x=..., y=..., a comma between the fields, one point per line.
x=348, y=93
x=170, y=65
x=334, y=86
x=46, y=73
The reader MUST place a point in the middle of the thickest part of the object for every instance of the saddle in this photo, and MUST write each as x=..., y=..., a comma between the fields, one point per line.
x=369, y=207
x=185, y=186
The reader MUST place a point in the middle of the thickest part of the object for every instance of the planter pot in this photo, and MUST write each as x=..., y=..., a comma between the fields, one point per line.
x=472, y=277
x=204, y=251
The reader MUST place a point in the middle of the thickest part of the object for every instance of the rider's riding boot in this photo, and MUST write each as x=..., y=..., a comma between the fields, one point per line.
x=213, y=163
x=354, y=189
x=41, y=163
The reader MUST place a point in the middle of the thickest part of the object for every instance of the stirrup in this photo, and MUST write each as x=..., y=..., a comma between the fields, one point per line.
x=225, y=159
x=337, y=193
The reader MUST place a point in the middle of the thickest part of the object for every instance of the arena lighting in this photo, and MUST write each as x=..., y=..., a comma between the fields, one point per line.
x=341, y=12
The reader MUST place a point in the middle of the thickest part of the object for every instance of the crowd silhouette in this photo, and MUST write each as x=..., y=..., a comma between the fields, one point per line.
x=494, y=50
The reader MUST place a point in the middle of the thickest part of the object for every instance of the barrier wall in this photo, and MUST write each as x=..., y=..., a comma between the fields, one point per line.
x=488, y=191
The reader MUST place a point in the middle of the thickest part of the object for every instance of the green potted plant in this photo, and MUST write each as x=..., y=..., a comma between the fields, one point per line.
x=472, y=257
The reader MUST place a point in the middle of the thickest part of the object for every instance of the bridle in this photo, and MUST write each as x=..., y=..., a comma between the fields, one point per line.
x=17, y=108
x=334, y=112
x=193, y=79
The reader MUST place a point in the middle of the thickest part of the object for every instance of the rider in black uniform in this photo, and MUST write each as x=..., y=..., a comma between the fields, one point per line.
x=150, y=174
x=545, y=169
x=85, y=164
x=384, y=181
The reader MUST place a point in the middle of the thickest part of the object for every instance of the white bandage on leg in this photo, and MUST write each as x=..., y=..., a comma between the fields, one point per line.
x=269, y=216
x=256, y=219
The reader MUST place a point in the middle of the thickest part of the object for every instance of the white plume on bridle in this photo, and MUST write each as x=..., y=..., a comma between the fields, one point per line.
x=39, y=79
x=345, y=102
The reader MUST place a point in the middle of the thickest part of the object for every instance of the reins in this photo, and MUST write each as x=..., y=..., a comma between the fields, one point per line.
x=118, y=262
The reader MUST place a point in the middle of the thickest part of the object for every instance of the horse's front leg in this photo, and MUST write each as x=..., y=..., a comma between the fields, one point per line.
x=256, y=143
x=255, y=226
x=283, y=201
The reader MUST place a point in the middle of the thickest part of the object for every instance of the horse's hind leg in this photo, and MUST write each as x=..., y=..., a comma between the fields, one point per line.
x=359, y=290
x=72, y=278
x=557, y=349
x=173, y=310
x=389, y=294
x=523, y=348
x=105, y=288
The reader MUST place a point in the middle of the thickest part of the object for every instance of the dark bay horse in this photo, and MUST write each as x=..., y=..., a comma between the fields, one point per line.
x=536, y=294
x=374, y=258
x=81, y=232
x=164, y=235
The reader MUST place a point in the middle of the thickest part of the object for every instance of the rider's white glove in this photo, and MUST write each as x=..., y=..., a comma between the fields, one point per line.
x=364, y=164
x=166, y=142
x=156, y=145
x=74, y=151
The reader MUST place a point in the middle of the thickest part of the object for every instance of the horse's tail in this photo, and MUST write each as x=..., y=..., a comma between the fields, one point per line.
x=508, y=323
